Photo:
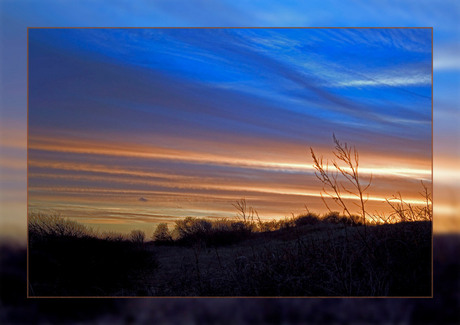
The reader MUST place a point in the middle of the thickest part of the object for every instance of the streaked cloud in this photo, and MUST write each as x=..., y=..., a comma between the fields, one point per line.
x=388, y=81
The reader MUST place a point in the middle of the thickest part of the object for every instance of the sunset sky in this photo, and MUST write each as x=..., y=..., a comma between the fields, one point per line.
x=128, y=126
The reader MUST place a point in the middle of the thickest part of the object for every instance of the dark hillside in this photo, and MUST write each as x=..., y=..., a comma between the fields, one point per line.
x=319, y=260
x=311, y=257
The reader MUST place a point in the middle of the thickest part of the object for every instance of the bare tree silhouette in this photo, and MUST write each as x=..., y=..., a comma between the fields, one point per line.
x=333, y=186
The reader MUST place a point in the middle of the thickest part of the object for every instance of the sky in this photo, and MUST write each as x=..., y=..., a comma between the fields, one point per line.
x=16, y=16
x=129, y=127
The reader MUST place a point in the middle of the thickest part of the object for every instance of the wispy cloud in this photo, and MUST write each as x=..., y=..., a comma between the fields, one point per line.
x=379, y=81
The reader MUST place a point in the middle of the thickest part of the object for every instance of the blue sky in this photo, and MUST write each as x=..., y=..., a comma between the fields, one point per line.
x=377, y=80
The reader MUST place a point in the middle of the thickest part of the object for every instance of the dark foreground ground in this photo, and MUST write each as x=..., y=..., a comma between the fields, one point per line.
x=311, y=260
x=443, y=308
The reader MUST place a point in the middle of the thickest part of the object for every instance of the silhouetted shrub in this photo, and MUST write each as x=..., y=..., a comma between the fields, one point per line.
x=162, y=235
x=137, y=236
x=217, y=232
x=192, y=226
x=112, y=236
x=68, y=259
x=332, y=217
x=41, y=226
x=211, y=232
x=309, y=219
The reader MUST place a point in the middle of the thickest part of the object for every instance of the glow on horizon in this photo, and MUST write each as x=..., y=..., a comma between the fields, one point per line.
x=203, y=158
x=281, y=190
